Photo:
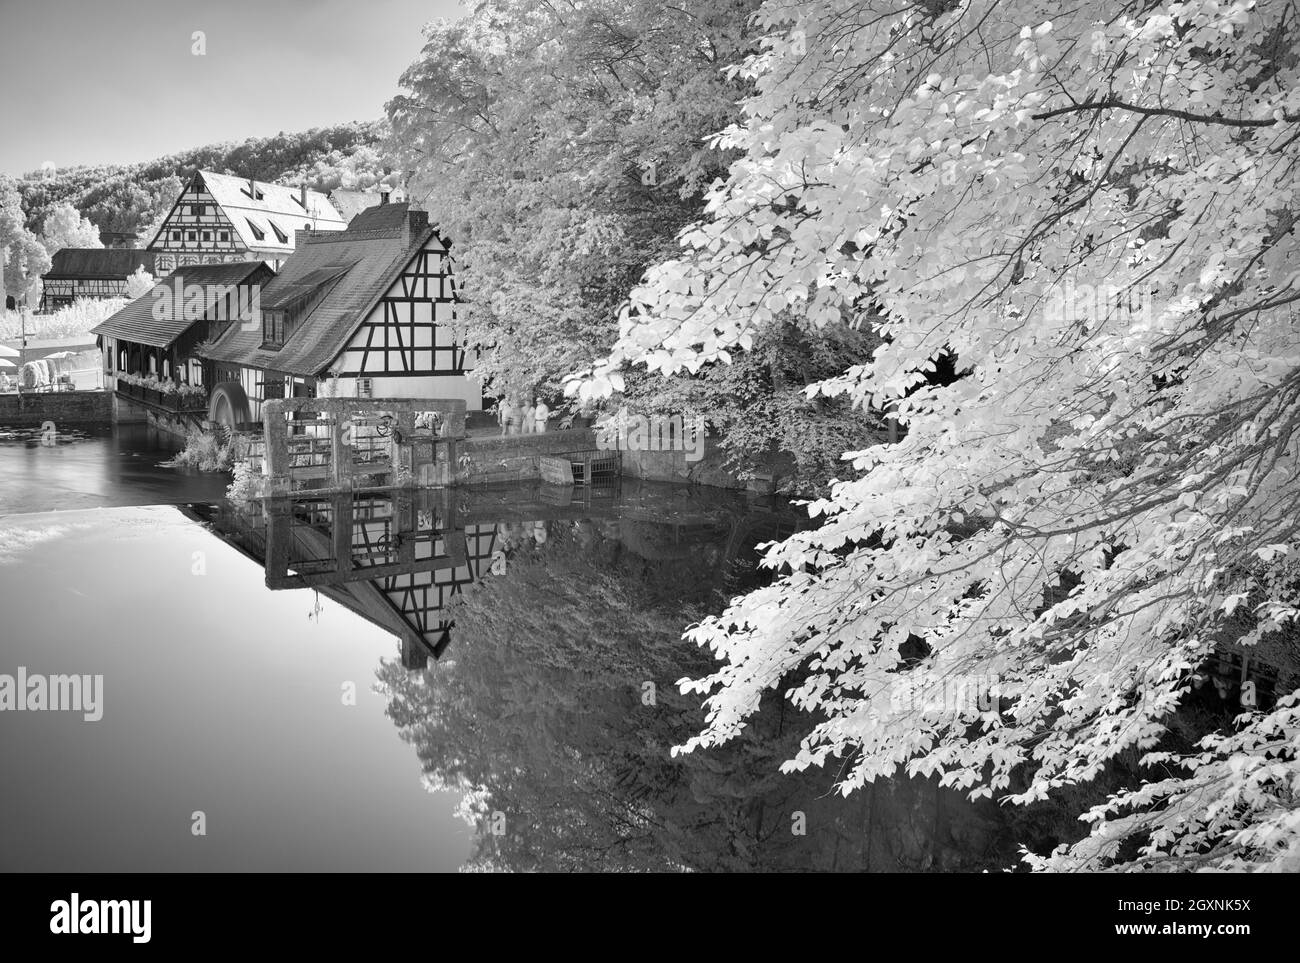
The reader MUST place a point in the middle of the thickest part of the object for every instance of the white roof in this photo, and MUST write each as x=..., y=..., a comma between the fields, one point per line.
x=276, y=206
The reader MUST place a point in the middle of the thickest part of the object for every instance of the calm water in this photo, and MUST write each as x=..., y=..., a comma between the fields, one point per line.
x=513, y=655
x=93, y=468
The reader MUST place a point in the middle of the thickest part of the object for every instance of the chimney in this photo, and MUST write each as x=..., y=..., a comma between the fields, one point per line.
x=416, y=222
x=252, y=188
x=302, y=196
x=384, y=192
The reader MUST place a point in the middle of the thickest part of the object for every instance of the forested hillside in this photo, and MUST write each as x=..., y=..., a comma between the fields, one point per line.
x=131, y=197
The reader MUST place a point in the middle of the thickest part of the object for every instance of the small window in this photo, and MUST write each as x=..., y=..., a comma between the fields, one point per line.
x=258, y=233
x=224, y=236
x=189, y=235
x=364, y=388
x=272, y=329
x=207, y=235
x=176, y=235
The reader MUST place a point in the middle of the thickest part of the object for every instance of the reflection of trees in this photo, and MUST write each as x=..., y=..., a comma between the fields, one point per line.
x=538, y=705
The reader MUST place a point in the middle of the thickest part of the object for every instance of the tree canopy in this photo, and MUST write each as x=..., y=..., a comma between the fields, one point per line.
x=1092, y=210
x=562, y=148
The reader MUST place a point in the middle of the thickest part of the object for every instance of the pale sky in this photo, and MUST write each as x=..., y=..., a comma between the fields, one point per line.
x=115, y=81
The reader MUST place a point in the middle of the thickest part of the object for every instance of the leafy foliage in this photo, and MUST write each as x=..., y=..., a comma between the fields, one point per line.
x=538, y=711
x=65, y=227
x=562, y=150
x=72, y=320
x=1095, y=215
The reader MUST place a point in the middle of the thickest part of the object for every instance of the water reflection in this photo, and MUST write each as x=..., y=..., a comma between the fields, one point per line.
x=540, y=647
x=95, y=467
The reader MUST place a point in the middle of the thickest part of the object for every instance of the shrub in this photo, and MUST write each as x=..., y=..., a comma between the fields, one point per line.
x=204, y=451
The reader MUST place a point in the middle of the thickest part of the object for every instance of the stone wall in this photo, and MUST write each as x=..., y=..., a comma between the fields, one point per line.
x=673, y=466
x=60, y=407
x=492, y=460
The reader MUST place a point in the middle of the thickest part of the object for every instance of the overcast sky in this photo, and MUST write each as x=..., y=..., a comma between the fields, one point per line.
x=113, y=81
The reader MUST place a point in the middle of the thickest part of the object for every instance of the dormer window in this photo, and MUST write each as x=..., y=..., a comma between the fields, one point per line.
x=258, y=233
x=273, y=323
x=279, y=234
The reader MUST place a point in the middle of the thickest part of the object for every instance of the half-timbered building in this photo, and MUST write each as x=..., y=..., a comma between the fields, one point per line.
x=367, y=312
x=86, y=272
x=156, y=334
x=220, y=218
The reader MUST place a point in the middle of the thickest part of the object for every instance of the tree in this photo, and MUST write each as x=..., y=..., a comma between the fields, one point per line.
x=554, y=707
x=65, y=227
x=11, y=212
x=1095, y=216
x=139, y=283
x=561, y=150
x=25, y=261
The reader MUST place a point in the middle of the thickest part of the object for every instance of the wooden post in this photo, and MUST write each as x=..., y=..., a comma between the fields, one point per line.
x=342, y=503
x=276, y=432
x=340, y=451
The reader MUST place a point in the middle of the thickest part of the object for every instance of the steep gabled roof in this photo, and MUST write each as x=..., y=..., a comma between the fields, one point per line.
x=350, y=270
x=96, y=262
x=137, y=321
x=276, y=212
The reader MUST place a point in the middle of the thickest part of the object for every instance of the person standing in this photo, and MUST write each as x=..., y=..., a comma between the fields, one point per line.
x=511, y=416
x=540, y=414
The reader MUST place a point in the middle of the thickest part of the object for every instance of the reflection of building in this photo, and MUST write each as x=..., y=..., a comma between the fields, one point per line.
x=221, y=218
x=393, y=559
x=397, y=557
x=95, y=273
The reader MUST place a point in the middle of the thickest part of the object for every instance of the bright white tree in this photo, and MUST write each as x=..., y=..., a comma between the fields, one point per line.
x=1093, y=207
x=139, y=283
x=25, y=260
x=65, y=227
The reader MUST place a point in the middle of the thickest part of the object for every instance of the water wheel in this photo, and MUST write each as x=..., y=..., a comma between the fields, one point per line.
x=228, y=405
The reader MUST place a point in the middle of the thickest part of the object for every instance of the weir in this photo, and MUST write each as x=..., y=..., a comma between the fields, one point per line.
x=349, y=444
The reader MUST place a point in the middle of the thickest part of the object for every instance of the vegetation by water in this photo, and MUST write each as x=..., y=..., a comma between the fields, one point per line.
x=556, y=710
x=991, y=235
x=205, y=450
